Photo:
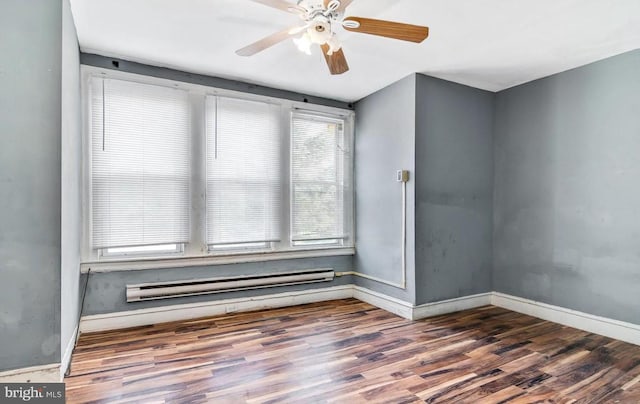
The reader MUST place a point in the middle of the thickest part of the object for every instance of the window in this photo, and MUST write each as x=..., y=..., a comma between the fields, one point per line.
x=243, y=173
x=140, y=174
x=184, y=170
x=319, y=155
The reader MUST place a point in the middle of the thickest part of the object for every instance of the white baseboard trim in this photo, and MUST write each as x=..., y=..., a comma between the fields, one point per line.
x=66, y=357
x=384, y=302
x=35, y=374
x=134, y=318
x=616, y=329
x=411, y=312
x=620, y=330
x=608, y=327
x=451, y=305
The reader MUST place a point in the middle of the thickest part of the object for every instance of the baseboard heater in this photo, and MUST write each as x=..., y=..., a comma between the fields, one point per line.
x=167, y=290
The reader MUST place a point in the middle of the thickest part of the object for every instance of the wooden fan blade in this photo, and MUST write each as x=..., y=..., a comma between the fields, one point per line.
x=389, y=29
x=282, y=5
x=343, y=4
x=266, y=42
x=337, y=62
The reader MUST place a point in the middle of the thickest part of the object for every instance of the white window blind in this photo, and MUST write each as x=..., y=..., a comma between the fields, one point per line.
x=140, y=163
x=319, y=156
x=244, y=189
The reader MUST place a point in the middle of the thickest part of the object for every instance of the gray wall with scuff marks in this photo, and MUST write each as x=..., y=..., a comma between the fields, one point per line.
x=384, y=143
x=71, y=170
x=30, y=79
x=106, y=291
x=567, y=199
x=454, y=190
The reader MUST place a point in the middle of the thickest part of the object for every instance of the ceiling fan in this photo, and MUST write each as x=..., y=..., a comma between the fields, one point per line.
x=320, y=20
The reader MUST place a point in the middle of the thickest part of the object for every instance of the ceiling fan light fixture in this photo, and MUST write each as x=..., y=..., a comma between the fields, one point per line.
x=319, y=33
x=303, y=43
x=334, y=45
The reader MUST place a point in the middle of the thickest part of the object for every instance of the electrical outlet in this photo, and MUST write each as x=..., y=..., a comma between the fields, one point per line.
x=403, y=175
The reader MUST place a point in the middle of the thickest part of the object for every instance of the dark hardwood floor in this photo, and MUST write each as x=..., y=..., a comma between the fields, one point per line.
x=347, y=351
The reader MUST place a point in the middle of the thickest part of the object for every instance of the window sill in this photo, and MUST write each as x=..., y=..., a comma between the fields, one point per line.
x=114, y=265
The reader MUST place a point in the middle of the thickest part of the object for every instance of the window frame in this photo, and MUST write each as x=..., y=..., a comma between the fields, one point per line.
x=124, y=173
x=141, y=251
x=347, y=238
x=250, y=246
x=198, y=249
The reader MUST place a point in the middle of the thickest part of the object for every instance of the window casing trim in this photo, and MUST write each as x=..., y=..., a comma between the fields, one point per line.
x=142, y=251
x=197, y=248
x=121, y=264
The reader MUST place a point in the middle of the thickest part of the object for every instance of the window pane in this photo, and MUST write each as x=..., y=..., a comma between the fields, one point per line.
x=140, y=164
x=319, y=157
x=243, y=171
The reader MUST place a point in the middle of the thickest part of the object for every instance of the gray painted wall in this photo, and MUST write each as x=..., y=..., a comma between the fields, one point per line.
x=567, y=200
x=384, y=143
x=454, y=190
x=71, y=202
x=106, y=291
x=30, y=79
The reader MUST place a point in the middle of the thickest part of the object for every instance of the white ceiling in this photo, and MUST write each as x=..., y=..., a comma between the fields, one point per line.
x=490, y=44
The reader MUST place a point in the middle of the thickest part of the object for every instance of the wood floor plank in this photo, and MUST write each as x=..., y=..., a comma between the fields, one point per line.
x=348, y=351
